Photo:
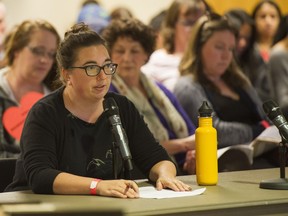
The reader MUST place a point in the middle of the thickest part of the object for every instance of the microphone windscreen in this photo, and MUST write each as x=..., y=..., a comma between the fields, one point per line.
x=110, y=106
x=272, y=109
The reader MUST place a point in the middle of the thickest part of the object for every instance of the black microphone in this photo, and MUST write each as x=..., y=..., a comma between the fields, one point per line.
x=119, y=134
x=274, y=113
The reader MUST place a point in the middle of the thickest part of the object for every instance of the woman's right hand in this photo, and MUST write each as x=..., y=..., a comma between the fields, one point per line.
x=118, y=188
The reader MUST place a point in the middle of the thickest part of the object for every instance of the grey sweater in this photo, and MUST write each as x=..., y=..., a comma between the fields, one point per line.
x=191, y=95
x=279, y=76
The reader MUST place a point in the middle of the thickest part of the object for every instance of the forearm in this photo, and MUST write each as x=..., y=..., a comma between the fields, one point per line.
x=162, y=169
x=175, y=146
x=66, y=183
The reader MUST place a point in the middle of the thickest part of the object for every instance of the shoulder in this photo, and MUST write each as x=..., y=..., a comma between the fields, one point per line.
x=186, y=82
x=50, y=102
x=278, y=53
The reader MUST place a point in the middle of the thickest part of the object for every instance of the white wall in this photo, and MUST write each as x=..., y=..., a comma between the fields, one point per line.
x=63, y=13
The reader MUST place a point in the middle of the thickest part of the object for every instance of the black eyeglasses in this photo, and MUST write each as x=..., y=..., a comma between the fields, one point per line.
x=39, y=51
x=94, y=70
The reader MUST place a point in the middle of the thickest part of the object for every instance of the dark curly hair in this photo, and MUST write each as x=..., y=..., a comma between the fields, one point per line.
x=132, y=28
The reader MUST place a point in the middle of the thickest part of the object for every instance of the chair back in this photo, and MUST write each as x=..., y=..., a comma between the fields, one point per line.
x=7, y=170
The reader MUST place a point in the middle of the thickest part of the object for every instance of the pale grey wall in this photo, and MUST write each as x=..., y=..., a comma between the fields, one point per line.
x=62, y=13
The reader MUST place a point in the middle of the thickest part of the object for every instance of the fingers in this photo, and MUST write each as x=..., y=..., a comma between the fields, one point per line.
x=119, y=188
x=173, y=184
x=159, y=185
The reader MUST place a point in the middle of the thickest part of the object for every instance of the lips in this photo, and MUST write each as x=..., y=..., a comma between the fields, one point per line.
x=100, y=87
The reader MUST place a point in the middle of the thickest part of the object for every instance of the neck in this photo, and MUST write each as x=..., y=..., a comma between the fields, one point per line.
x=88, y=111
x=215, y=79
x=180, y=46
x=265, y=42
x=132, y=81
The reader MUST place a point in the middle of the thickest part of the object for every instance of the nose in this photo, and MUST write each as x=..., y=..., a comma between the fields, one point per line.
x=126, y=56
x=269, y=20
x=44, y=58
x=225, y=54
x=101, y=75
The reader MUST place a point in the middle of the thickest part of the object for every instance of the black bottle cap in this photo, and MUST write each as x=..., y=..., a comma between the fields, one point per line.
x=205, y=110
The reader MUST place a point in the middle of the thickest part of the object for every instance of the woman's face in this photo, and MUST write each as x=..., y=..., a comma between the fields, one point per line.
x=185, y=23
x=130, y=57
x=92, y=88
x=217, y=53
x=35, y=60
x=267, y=21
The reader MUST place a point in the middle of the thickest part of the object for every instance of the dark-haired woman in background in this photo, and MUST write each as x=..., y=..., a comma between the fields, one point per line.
x=131, y=43
x=267, y=31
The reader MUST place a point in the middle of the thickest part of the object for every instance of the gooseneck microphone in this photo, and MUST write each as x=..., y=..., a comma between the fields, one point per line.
x=274, y=113
x=119, y=134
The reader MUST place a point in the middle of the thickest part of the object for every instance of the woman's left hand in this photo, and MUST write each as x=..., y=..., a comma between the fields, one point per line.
x=172, y=183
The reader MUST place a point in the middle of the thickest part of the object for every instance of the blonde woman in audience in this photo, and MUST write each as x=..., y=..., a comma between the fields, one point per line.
x=30, y=55
x=131, y=43
x=177, y=24
x=209, y=73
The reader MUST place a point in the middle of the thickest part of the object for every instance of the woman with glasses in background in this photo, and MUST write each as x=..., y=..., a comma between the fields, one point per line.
x=67, y=142
x=30, y=56
x=176, y=27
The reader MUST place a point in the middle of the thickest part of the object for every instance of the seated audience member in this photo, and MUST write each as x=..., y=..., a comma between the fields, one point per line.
x=94, y=15
x=67, y=141
x=209, y=73
x=131, y=43
x=279, y=72
x=267, y=16
x=177, y=24
x=244, y=24
x=30, y=56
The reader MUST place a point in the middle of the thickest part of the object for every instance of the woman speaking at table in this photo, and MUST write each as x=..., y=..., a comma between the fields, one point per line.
x=67, y=142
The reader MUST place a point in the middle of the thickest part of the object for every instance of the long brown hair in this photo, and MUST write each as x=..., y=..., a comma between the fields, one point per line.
x=191, y=62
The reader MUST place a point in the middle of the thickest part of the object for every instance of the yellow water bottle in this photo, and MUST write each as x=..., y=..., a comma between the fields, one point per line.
x=206, y=148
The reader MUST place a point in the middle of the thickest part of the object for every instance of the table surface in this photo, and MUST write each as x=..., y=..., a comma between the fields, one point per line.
x=235, y=192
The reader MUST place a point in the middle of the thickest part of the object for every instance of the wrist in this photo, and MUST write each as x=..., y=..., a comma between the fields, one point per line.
x=265, y=123
x=93, y=186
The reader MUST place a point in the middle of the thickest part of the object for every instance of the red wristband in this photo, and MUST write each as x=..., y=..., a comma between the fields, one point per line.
x=265, y=124
x=93, y=186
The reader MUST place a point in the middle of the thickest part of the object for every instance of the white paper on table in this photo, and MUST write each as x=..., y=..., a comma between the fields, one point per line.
x=151, y=192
